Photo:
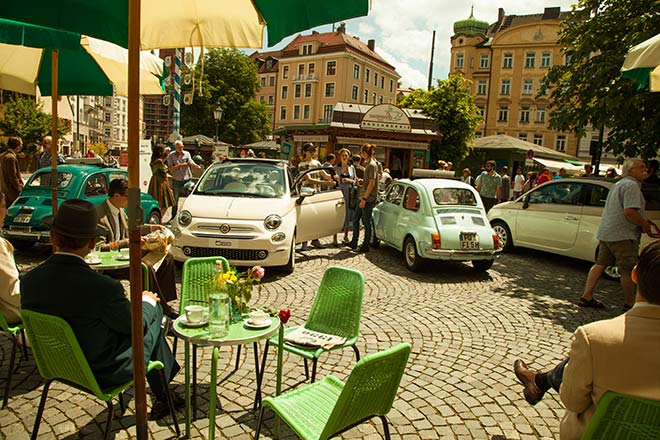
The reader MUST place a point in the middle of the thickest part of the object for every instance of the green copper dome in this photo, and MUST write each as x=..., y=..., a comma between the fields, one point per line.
x=471, y=26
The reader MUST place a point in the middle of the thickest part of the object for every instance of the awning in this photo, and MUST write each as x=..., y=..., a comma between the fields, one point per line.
x=555, y=165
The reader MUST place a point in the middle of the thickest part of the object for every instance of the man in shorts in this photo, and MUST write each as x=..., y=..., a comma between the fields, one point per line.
x=620, y=230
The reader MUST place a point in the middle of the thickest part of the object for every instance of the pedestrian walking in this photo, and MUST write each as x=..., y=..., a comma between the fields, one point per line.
x=159, y=185
x=467, y=177
x=347, y=178
x=518, y=183
x=368, y=193
x=179, y=163
x=10, y=172
x=489, y=186
x=45, y=158
x=506, y=184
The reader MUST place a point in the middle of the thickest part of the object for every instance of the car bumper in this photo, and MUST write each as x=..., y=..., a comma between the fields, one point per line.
x=27, y=234
x=457, y=254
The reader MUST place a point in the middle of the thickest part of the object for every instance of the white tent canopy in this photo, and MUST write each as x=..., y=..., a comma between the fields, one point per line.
x=555, y=165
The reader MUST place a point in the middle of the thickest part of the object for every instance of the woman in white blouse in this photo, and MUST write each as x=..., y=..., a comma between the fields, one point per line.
x=10, y=297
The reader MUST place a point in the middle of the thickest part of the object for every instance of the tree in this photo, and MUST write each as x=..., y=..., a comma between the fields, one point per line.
x=588, y=88
x=230, y=80
x=451, y=105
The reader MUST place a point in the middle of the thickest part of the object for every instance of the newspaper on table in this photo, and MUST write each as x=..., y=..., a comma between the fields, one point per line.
x=309, y=338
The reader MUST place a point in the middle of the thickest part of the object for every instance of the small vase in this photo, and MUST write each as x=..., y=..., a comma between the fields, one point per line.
x=236, y=311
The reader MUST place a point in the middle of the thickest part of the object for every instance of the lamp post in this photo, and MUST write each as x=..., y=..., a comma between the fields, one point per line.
x=217, y=115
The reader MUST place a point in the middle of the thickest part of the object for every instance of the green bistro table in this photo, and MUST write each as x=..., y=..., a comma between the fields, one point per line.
x=110, y=260
x=238, y=335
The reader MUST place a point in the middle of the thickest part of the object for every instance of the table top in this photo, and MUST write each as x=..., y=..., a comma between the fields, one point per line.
x=110, y=260
x=238, y=334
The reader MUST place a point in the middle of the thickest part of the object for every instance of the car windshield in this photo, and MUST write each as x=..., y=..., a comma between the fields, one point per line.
x=243, y=180
x=43, y=180
x=454, y=196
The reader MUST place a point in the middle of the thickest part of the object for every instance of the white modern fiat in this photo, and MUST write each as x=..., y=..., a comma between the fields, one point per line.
x=252, y=212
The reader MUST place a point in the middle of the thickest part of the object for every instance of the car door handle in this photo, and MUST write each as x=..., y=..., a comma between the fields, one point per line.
x=339, y=203
x=571, y=217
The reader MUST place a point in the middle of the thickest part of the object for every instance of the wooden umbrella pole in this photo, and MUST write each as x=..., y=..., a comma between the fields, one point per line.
x=134, y=217
x=53, y=147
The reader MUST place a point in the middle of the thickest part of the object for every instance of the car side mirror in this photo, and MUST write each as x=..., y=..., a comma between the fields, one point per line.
x=525, y=202
x=305, y=191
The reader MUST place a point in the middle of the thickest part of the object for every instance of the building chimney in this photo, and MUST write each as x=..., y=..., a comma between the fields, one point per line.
x=500, y=15
x=371, y=44
x=342, y=28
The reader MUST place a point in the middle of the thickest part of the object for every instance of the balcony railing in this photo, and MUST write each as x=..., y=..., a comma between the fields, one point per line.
x=308, y=77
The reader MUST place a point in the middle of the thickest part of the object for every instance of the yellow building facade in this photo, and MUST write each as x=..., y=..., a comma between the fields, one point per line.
x=506, y=62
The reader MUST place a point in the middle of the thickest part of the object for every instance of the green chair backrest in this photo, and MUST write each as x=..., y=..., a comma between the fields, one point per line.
x=622, y=417
x=57, y=352
x=197, y=274
x=337, y=306
x=370, y=389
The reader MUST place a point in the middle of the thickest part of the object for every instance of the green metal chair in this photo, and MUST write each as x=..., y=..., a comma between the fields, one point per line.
x=622, y=417
x=324, y=409
x=59, y=357
x=336, y=310
x=13, y=330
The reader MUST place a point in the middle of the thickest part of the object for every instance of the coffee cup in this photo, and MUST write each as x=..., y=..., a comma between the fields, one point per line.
x=258, y=317
x=125, y=253
x=194, y=314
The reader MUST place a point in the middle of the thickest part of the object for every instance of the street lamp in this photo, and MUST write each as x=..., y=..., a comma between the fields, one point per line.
x=217, y=115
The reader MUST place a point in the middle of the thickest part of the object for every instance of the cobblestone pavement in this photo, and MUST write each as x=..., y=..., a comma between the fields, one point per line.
x=466, y=329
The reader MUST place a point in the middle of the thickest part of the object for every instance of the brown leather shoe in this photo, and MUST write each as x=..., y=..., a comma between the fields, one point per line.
x=532, y=393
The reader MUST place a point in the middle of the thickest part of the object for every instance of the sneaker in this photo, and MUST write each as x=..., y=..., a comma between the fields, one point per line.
x=160, y=408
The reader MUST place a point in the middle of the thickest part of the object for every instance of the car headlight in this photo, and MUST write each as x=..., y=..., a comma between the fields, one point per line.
x=273, y=222
x=185, y=217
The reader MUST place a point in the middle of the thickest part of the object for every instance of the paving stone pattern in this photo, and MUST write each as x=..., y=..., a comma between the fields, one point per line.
x=466, y=329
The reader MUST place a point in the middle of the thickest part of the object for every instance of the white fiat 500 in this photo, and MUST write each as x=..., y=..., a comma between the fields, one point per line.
x=251, y=212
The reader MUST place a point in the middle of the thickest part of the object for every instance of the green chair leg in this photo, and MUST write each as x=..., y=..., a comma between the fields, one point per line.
x=40, y=411
x=108, y=420
x=10, y=372
x=259, y=423
x=357, y=353
x=386, y=427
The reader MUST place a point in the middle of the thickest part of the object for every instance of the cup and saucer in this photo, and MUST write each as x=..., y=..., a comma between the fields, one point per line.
x=195, y=317
x=124, y=255
x=92, y=258
x=258, y=319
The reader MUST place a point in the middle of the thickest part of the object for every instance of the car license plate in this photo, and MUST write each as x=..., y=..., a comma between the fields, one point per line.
x=469, y=240
x=23, y=218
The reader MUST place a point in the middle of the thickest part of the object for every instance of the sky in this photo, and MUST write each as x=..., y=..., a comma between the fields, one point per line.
x=403, y=30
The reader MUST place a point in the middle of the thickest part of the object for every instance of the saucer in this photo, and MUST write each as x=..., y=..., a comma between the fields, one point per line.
x=249, y=324
x=93, y=262
x=122, y=258
x=184, y=322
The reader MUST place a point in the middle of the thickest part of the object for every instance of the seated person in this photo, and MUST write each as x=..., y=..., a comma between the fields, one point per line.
x=112, y=217
x=10, y=296
x=619, y=354
x=95, y=305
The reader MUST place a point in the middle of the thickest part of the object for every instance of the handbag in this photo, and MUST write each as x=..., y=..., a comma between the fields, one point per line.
x=354, y=197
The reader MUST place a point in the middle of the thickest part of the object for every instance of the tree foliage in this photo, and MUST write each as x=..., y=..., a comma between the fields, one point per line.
x=25, y=118
x=451, y=104
x=588, y=88
x=229, y=79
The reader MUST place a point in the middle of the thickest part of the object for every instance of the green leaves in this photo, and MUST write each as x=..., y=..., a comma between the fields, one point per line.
x=25, y=118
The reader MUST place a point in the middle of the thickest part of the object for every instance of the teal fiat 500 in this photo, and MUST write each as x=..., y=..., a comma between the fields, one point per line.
x=23, y=225
x=436, y=219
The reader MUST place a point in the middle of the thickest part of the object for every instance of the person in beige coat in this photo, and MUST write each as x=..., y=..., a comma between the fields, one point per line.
x=10, y=294
x=619, y=354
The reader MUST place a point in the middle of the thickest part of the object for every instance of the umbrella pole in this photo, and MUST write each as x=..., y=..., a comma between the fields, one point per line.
x=53, y=148
x=135, y=217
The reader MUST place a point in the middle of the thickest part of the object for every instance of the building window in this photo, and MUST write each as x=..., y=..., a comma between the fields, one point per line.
x=297, y=91
x=375, y=79
x=311, y=68
x=271, y=99
x=330, y=90
x=331, y=68
x=301, y=70
x=545, y=59
x=391, y=85
x=263, y=81
x=524, y=113
x=528, y=85
x=481, y=110
x=366, y=96
x=356, y=71
x=306, y=111
x=367, y=73
x=271, y=81
x=483, y=63
x=296, y=112
x=285, y=92
x=373, y=98
x=283, y=113
x=522, y=136
x=308, y=90
x=482, y=87
x=285, y=72
x=382, y=82
x=503, y=114
x=327, y=113
x=354, y=94
x=460, y=58
x=538, y=139
x=560, y=145
x=505, y=88
x=380, y=99
x=307, y=49
x=530, y=58
x=261, y=99
x=508, y=61
x=542, y=91
x=540, y=113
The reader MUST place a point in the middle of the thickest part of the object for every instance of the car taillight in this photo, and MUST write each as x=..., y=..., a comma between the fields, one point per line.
x=435, y=239
x=496, y=241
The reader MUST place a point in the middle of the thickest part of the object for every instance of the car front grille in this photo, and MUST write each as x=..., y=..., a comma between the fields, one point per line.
x=230, y=254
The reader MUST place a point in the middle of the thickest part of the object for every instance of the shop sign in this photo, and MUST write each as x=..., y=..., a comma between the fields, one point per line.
x=386, y=117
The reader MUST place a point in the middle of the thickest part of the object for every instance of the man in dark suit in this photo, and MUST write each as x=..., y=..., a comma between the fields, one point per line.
x=113, y=218
x=94, y=305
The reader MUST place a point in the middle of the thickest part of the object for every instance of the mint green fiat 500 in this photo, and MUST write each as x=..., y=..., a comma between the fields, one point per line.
x=436, y=219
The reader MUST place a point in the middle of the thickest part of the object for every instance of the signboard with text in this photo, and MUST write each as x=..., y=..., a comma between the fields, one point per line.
x=386, y=117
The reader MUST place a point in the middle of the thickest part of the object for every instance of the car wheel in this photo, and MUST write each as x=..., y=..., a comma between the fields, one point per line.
x=612, y=272
x=154, y=218
x=22, y=245
x=291, y=264
x=413, y=261
x=504, y=235
x=482, y=265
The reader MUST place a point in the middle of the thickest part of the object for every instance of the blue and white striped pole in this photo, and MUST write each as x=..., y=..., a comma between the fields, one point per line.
x=176, y=105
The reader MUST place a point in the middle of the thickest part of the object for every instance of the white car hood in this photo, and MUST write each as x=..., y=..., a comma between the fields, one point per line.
x=245, y=208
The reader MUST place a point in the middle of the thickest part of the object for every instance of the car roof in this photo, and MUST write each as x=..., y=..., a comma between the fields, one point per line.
x=602, y=180
x=81, y=169
x=250, y=160
x=432, y=183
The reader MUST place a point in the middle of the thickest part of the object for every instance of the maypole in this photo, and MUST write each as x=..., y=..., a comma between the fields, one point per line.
x=176, y=106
